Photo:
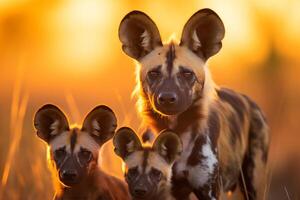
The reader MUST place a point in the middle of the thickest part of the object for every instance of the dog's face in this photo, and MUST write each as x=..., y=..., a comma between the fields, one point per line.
x=73, y=151
x=172, y=75
x=148, y=169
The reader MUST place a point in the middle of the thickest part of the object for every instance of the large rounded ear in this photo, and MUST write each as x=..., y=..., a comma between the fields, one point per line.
x=139, y=35
x=126, y=142
x=168, y=145
x=50, y=121
x=203, y=33
x=100, y=123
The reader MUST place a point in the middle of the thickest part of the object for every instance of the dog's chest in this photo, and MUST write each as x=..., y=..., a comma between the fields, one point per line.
x=198, y=162
x=181, y=164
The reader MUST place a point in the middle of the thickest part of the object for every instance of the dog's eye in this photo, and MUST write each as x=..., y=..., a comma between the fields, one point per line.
x=132, y=173
x=84, y=156
x=153, y=74
x=187, y=74
x=155, y=174
x=60, y=154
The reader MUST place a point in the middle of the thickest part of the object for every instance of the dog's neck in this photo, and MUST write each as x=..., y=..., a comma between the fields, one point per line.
x=194, y=117
x=163, y=194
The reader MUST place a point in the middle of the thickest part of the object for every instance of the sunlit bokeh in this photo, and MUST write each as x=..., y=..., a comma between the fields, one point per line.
x=68, y=53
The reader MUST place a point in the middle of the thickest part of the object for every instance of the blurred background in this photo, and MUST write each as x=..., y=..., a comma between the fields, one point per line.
x=68, y=53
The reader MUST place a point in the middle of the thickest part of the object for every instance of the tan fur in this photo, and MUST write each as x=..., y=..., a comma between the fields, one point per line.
x=228, y=155
x=184, y=57
x=100, y=183
x=224, y=133
x=154, y=160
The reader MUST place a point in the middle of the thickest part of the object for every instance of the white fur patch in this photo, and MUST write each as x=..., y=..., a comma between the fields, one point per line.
x=199, y=175
x=197, y=42
x=164, y=148
x=146, y=39
x=96, y=127
x=210, y=195
x=130, y=146
x=211, y=157
x=54, y=127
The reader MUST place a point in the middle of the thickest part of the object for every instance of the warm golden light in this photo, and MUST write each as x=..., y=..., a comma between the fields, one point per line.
x=68, y=53
x=18, y=110
x=75, y=125
x=173, y=38
x=75, y=114
x=137, y=88
x=229, y=194
x=80, y=32
x=123, y=167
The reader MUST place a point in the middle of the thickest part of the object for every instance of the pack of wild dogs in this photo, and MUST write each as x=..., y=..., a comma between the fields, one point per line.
x=207, y=141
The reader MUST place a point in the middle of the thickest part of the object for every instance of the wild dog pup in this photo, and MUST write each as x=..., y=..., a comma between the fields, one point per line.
x=223, y=132
x=148, y=169
x=73, y=153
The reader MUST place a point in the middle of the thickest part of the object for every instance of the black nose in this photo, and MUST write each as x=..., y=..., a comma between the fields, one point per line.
x=167, y=98
x=69, y=175
x=140, y=192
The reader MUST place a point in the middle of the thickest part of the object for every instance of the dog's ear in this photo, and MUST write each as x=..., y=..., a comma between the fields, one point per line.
x=203, y=33
x=168, y=145
x=100, y=123
x=139, y=35
x=126, y=142
x=50, y=121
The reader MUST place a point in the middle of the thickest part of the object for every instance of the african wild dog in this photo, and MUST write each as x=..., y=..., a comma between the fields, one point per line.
x=73, y=154
x=148, y=169
x=223, y=132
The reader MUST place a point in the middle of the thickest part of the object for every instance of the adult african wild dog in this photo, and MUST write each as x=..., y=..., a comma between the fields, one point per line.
x=223, y=132
x=73, y=153
x=148, y=169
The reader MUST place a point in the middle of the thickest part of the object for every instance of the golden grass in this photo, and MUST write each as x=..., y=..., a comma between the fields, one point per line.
x=18, y=110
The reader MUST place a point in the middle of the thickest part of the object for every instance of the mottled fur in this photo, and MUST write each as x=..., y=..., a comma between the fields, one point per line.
x=73, y=154
x=224, y=134
x=148, y=169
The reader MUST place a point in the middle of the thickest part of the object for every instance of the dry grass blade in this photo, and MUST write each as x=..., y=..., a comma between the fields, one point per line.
x=127, y=116
x=287, y=193
x=75, y=114
x=16, y=139
x=244, y=184
x=18, y=110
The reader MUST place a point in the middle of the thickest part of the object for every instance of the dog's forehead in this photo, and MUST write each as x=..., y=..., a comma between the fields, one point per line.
x=178, y=55
x=61, y=140
x=73, y=140
x=86, y=141
x=134, y=159
x=186, y=57
x=146, y=161
x=155, y=57
x=156, y=161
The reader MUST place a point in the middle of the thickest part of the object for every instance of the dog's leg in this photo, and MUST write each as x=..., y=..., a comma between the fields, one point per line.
x=254, y=171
